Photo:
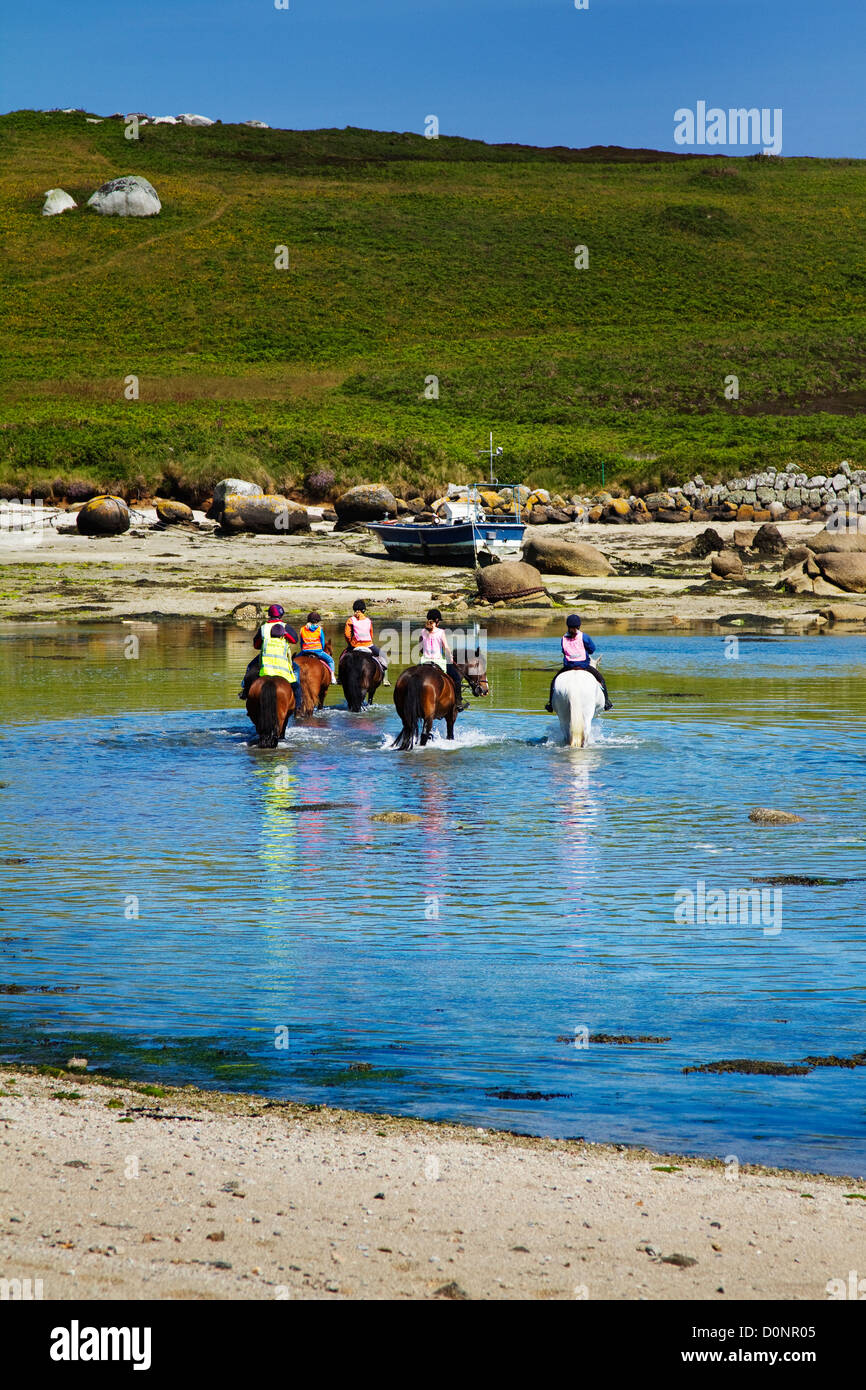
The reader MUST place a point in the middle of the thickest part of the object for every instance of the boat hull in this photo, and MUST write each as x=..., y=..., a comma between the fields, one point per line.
x=457, y=543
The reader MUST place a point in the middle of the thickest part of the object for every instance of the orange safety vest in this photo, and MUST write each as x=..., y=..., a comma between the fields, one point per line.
x=312, y=638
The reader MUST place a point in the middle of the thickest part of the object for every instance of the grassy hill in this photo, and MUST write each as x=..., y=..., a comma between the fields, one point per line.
x=411, y=258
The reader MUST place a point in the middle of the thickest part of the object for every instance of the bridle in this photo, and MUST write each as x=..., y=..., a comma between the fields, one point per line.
x=475, y=674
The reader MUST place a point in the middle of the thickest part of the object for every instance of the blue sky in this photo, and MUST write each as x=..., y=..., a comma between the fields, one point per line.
x=532, y=71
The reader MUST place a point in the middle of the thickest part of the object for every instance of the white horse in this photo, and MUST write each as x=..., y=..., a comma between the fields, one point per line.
x=576, y=697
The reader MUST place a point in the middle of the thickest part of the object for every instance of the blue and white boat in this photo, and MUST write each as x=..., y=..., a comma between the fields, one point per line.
x=466, y=535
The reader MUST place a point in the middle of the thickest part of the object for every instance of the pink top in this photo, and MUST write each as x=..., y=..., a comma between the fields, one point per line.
x=573, y=648
x=362, y=631
x=432, y=642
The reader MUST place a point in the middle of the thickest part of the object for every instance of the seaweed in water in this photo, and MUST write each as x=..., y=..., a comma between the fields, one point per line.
x=529, y=1095
x=38, y=989
x=623, y=1039
x=857, y=1060
x=749, y=1067
x=802, y=881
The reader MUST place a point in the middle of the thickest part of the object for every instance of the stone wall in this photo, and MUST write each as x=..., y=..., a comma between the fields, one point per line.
x=767, y=496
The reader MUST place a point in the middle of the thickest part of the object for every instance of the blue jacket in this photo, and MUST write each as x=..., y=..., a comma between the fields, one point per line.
x=589, y=648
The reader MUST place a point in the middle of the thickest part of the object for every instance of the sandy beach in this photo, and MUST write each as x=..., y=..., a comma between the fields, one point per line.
x=111, y=1191
x=174, y=572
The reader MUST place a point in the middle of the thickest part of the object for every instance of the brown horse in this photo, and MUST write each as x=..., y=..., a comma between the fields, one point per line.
x=270, y=701
x=315, y=679
x=360, y=675
x=424, y=693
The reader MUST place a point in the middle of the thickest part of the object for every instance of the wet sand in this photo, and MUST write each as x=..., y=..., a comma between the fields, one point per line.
x=176, y=573
x=199, y=1195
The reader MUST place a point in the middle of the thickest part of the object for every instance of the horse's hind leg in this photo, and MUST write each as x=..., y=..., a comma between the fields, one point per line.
x=427, y=731
x=449, y=726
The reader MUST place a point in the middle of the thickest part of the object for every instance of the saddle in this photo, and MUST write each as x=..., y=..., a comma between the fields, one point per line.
x=366, y=650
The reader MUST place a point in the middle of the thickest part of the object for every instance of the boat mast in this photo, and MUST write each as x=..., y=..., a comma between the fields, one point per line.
x=491, y=455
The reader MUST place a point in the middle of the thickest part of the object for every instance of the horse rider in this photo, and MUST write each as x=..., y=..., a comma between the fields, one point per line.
x=312, y=639
x=265, y=634
x=577, y=648
x=359, y=635
x=435, y=651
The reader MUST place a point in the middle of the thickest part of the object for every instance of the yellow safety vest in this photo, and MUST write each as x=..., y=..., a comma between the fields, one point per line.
x=275, y=658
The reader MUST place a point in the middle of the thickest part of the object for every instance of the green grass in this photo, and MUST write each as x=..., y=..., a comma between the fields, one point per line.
x=411, y=258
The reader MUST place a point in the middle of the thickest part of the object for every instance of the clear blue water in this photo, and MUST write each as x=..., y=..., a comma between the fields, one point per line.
x=420, y=967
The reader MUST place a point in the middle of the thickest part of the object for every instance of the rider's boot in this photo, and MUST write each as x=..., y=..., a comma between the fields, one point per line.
x=549, y=705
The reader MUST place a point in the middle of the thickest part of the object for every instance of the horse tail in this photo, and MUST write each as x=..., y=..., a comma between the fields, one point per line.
x=350, y=676
x=302, y=690
x=568, y=705
x=575, y=716
x=411, y=715
x=269, y=723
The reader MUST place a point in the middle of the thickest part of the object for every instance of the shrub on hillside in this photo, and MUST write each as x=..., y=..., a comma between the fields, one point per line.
x=80, y=490
x=320, y=483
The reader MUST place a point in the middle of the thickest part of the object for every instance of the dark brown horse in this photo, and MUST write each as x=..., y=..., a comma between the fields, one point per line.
x=270, y=701
x=360, y=675
x=424, y=693
x=315, y=679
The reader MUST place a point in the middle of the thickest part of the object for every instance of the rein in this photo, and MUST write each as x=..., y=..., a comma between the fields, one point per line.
x=475, y=674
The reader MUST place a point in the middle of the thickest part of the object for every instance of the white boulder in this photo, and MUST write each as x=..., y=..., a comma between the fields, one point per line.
x=56, y=200
x=165, y=120
x=258, y=125
x=189, y=119
x=128, y=196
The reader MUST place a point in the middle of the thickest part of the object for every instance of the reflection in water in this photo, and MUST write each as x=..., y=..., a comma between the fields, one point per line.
x=434, y=870
x=279, y=832
x=575, y=769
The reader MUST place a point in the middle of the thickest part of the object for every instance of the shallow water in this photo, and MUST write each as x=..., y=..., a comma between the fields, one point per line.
x=210, y=928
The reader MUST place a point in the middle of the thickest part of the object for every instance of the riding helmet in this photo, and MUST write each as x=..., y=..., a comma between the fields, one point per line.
x=275, y=611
